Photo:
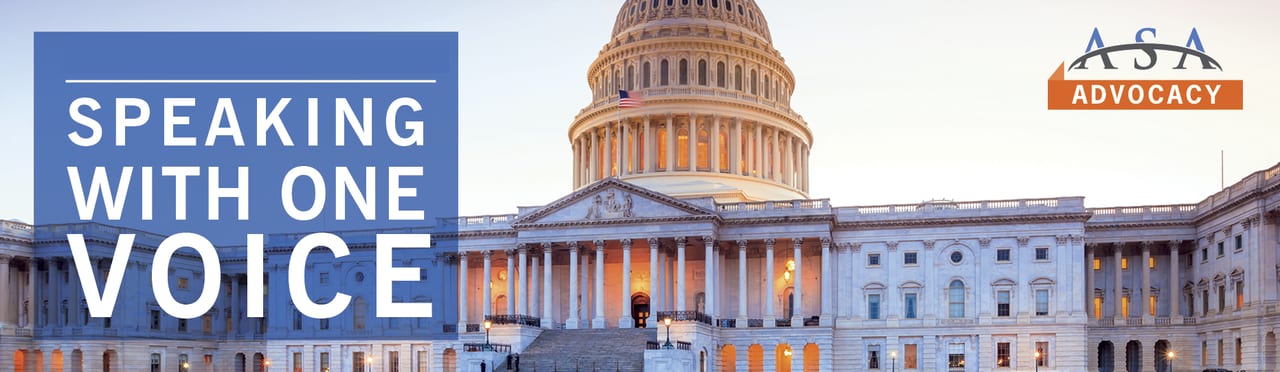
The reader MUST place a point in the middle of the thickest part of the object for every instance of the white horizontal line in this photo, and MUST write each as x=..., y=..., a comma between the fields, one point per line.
x=244, y=81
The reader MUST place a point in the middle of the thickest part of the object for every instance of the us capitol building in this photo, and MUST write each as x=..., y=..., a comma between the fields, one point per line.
x=694, y=208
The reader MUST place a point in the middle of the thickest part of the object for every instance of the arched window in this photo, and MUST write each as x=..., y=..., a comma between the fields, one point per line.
x=754, y=83
x=682, y=149
x=723, y=150
x=664, y=73
x=684, y=71
x=662, y=148
x=737, y=78
x=955, y=298
x=720, y=74
x=702, y=72
x=360, y=313
x=631, y=77
x=645, y=77
x=704, y=149
x=768, y=84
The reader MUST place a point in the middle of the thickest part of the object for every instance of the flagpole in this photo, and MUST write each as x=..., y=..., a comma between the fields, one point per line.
x=619, y=134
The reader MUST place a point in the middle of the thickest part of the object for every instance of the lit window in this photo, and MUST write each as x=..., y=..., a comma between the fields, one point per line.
x=1151, y=305
x=1097, y=264
x=1124, y=264
x=909, y=356
x=1151, y=263
x=1002, y=354
x=1043, y=348
x=955, y=356
x=297, y=362
x=184, y=364
x=1002, y=255
x=183, y=283
x=873, y=259
x=1239, y=295
x=1097, y=307
x=1124, y=306
x=324, y=361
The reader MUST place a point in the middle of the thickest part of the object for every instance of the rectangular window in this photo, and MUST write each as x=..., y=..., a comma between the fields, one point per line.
x=1151, y=305
x=155, y=362
x=324, y=361
x=393, y=361
x=1222, y=298
x=182, y=325
x=1222, y=250
x=1220, y=353
x=1002, y=354
x=422, y=361
x=910, y=258
x=1124, y=307
x=1204, y=353
x=909, y=356
x=184, y=363
x=1204, y=254
x=297, y=362
x=1097, y=307
x=1042, y=254
x=1002, y=255
x=1042, y=302
x=1043, y=348
x=1124, y=263
x=357, y=361
x=873, y=259
x=324, y=278
x=207, y=327
x=1239, y=295
x=1002, y=303
x=873, y=357
x=1239, y=351
x=955, y=356
x=1097, y=264
x=1151, y=263
x=910, y=306
x=155, y=319
x=1205, y=299
x=1239, y=242
x=183, y=283
x=324, y=323
x=873, y=306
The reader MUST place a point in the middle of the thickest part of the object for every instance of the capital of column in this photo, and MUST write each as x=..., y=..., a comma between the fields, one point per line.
x=984, y=242
x=1146, y=245
x=1023, y=241
x=488, y=254
x=711, y=240
x=597, y=244
x=797, y=242
x=573, y=245
x=653, y=243
x=4, y=259
x=826, y=242
x=768, y=243
x=680, y=241
x=626, y=244
x=521, y=248
x=892, y=245
x=1174, y=245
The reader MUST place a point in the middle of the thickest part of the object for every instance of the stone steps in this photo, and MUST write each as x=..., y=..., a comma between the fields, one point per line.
x=582, y=349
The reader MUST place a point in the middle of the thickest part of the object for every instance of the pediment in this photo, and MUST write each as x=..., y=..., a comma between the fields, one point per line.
x=613, y=200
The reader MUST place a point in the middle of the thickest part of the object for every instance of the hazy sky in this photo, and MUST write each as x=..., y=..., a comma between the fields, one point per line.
x=908, y=100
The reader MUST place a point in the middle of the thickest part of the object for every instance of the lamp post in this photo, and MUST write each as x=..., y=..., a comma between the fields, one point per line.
x=1168, y=356
x=1037, y=361
x=667, y=322
x=368, y=362
x=488, y=324
x=893, y=360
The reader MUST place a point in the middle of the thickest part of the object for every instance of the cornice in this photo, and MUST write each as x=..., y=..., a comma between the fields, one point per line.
x=979, y=220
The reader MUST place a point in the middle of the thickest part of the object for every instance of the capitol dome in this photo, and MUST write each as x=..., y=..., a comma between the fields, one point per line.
x=716, y=117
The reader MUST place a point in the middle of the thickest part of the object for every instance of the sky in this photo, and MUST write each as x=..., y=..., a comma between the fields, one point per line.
x=907, y=100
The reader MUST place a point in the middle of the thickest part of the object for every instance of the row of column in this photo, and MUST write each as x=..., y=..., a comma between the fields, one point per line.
x=613, y=150
x=668, y=283
x=17, y=313
x=1117, y=286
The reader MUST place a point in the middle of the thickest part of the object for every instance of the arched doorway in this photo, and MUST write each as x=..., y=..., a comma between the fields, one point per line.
x=702, y=361
x=240, y=364
x=259, y=362
x=110, y=361
x=728, y=358
x=782, y=356
x=500, y=305
x=450, y=362
x=788, y=305
x=1106, y=357
x=56, y=363
x=20, y=360
x=1271, y=356
x=640, y=309
x=1133, y=355
x=811, y=357
x=77, y=361
x=755, y=357
x=1162, y=356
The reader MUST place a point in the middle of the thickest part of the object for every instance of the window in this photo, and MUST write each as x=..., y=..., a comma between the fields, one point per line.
x=1097, y=264
x=1002, y=303
x=297, y=320
x=1151, y=305
x=155, y=319
x=873, y=306
x=358, y=316
x=1220, y=354
x=1204, y=254
x=910, y=306
x=1205, y=299
x=1239, y=242
x=909, y=356
x=324, y=278
x=1042, y=302
x=1097, y=307
x=1124, y=307
x=720, y=74
x=684, y=72
x=1124, y=263
x=1239, y=351
x=182, y=325
x=184, y=364
x=324, y=361
x=297, y=362
x=1222, y=246
x=645, y=77
x=1002, y=354
x=1002, y=255
x=956, y=257
x=956, y=299
x=357, y=361
x=873, y=357
x=955, y=356
x=393, y=361
x=1043, y=348
x=207, y=326
x=702, y=72
x=184, y=283
x=1239, y=295
x=910, y=258
x=873, y=259
x=1042, y=254
x=664, y=73
x=1204, y=353
x=324, y=324
x=1222, y=298
x=155, y=362
x=1151, y=263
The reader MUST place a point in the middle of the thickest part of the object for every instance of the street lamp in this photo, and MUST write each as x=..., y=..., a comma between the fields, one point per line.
x=368, y=361
x=1169, y=358
x=488, y=324
x=893, y=360
x=667, y=321
x=1037, y=360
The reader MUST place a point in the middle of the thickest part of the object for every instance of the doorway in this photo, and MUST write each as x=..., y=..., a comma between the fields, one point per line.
x=640, y=309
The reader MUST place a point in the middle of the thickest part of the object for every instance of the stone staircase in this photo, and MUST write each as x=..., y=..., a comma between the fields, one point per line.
x=582, y=349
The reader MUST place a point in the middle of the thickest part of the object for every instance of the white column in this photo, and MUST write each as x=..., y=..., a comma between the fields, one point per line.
x=624, y=320
x=735, y=147
x=463, y=290
x=709, y=277
x=680, y=281
x=73, y=306
x=608, y=151
x=647, y=146
x=824, y=319
x=775, y=158
x=1146, y=279
x=671, y=145
x=577, y=165
x=593, y=154
x=693, y=142
x=487, y=283
x=572, y=322
x=235, y=304
x=757, y=152
x=1088, y=280
x=598, y=294
x=547, y=322
x=742, y=284
x=31, y=292
x=624, y=158
x=1118, y=287
x=586, y=287
x=654, y=283
x=533, y=309
x=771, y=317
x=1175, y=289
x=797, y=315
x=511, y=279
x=714, y=142
x=522, y=303
x=4, y=290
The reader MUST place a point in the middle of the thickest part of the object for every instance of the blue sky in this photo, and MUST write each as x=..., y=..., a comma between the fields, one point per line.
x=907, y=100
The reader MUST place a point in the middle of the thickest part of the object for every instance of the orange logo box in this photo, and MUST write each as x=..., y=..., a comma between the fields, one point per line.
x=1144, y=94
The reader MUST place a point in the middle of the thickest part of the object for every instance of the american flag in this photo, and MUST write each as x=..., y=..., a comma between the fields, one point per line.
x=628, y=100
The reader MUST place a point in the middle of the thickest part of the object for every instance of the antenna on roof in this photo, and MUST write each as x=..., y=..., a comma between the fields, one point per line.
x=1222, y=169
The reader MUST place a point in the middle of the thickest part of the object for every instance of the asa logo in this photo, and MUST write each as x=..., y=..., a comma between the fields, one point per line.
x=1147, y=58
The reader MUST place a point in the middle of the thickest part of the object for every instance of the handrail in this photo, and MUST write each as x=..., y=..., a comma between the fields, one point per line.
x=685, y=316
x=498, y=348
x=526, y=320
